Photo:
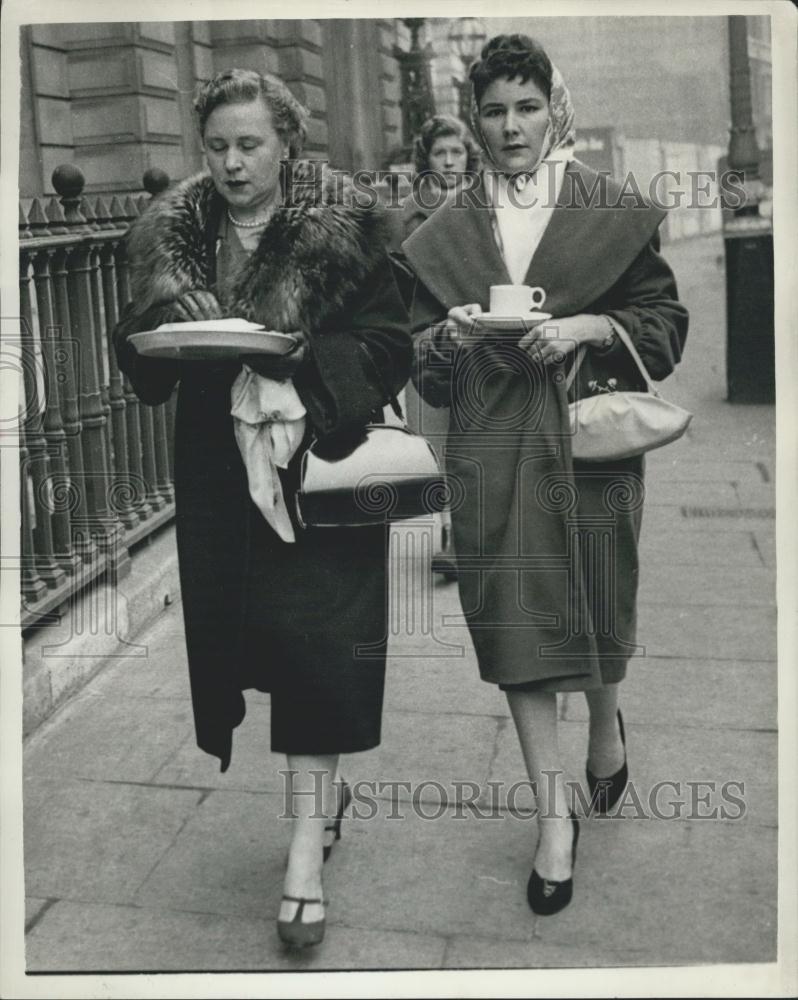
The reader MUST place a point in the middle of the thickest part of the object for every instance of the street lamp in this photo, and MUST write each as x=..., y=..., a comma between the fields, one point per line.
x=414, y=66
x=466, y=38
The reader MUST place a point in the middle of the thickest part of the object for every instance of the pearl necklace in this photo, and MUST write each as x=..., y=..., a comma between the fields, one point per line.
x=246, y=225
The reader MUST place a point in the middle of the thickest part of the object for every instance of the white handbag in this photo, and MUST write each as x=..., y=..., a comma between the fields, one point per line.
x=613, y=425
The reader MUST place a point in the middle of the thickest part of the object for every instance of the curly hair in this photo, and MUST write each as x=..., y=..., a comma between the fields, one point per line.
x=437, y=127
x=235, y=86
x=511, y=57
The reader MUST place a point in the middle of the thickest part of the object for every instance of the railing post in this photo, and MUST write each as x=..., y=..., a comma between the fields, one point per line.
x=54, y=433
x=68, y=362
x=147, y=418
x=143, y=509
x=102, y=525
x=155, y=181
x=126, y=488
x=38, y=459
x=33, y=587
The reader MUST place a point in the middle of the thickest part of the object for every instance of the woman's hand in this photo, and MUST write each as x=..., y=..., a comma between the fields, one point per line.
x=196, y=305
x=554, y=340
x=280, y=366
x=460, y=322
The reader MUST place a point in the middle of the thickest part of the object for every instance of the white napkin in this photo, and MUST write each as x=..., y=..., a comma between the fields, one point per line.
x=269, y=422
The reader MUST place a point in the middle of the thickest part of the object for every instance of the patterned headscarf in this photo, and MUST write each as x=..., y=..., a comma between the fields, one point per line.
x=560, y=132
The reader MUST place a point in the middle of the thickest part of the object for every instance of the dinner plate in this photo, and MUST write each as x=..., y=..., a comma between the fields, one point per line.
x=211, y=340
x=494, y=322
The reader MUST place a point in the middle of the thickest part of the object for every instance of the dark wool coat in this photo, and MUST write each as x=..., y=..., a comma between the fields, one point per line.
x=543, y=603
x=320, y=267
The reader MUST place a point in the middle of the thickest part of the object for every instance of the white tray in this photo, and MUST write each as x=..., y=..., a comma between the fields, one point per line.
x=211, y=340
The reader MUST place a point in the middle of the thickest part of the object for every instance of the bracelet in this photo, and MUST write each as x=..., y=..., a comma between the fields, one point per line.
x=611, y=337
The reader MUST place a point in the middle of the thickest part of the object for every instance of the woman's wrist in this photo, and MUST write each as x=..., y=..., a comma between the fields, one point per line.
x=601, y=332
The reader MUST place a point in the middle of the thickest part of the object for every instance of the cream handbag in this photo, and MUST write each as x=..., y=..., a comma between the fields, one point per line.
x=613, y=425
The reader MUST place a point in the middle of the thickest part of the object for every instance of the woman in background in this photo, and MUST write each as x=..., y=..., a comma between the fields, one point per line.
x=443, y=151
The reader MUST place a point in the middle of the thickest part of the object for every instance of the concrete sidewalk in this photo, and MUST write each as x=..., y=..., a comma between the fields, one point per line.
x=140, y=855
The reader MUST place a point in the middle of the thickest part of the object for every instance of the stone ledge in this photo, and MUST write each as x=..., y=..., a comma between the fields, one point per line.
x=98, y=625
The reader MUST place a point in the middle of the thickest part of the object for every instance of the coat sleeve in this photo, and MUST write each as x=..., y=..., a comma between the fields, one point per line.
x=433, y=356
x=153, y=379
x=357, y=365
x=645, y=302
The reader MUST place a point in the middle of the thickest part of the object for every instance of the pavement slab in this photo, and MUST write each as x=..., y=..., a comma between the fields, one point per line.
x=78, y=937
x=441, y=687
x=713, y=549
x=99, y=840
x=421, y=747
x=161, y=673
x=683, y=631
x=228, y=859
x=100, y=738
x=734, y=694
x=709, y=586
x=34, y=908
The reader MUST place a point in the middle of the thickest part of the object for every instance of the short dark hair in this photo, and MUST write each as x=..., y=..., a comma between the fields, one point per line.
x=237, y=86
x=508, y=57
x=436, y=128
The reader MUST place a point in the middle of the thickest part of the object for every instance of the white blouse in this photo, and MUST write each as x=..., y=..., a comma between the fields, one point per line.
x=522, y=210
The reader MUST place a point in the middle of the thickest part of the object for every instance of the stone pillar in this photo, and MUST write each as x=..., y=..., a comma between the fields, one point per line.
x=390, y=82
x=124, y=81
x=352, y=72
x=299, y=48
x=245, y=45
x=46, y=138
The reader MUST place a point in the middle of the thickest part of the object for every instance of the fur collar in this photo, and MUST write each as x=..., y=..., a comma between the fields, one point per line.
x=316, y=252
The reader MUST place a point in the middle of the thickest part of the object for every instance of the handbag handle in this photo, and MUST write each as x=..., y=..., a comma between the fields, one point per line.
x=396, y=406
x=626, y=340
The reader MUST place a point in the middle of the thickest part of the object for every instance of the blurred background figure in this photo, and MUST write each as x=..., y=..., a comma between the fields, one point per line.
x=443, y=151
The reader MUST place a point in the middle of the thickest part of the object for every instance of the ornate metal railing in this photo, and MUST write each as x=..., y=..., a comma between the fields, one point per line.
x=96, y=466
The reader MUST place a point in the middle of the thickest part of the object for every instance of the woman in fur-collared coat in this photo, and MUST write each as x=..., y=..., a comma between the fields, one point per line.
x=268, y=604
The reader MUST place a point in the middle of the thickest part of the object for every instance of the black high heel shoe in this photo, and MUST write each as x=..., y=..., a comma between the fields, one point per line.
x=335, y=826
x=547, y=897
x=605, y=792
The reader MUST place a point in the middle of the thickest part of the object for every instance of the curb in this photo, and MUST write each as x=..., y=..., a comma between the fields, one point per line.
x=99, y=624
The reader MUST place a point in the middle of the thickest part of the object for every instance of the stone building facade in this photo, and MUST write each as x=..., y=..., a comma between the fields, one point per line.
x=115, y=98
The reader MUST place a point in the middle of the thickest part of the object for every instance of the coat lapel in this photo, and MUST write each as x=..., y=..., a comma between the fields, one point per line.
x=590, y=241
x=454, y=252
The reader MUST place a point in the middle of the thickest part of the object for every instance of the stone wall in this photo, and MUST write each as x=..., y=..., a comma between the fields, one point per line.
x=115, y=98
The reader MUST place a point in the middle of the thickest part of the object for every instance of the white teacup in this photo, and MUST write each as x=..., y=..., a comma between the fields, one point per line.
x=515, y=300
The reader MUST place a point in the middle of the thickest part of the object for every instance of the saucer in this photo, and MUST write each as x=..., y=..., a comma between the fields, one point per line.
x=494, y=322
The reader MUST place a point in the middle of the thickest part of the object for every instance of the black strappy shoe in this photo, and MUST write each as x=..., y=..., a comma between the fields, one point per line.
x=296, y=934
x=335, y=826
x=547, y=897
x=605, y=792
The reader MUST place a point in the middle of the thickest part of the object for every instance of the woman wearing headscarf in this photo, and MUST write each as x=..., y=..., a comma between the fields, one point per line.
x=268, y=604
x=547, y=546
